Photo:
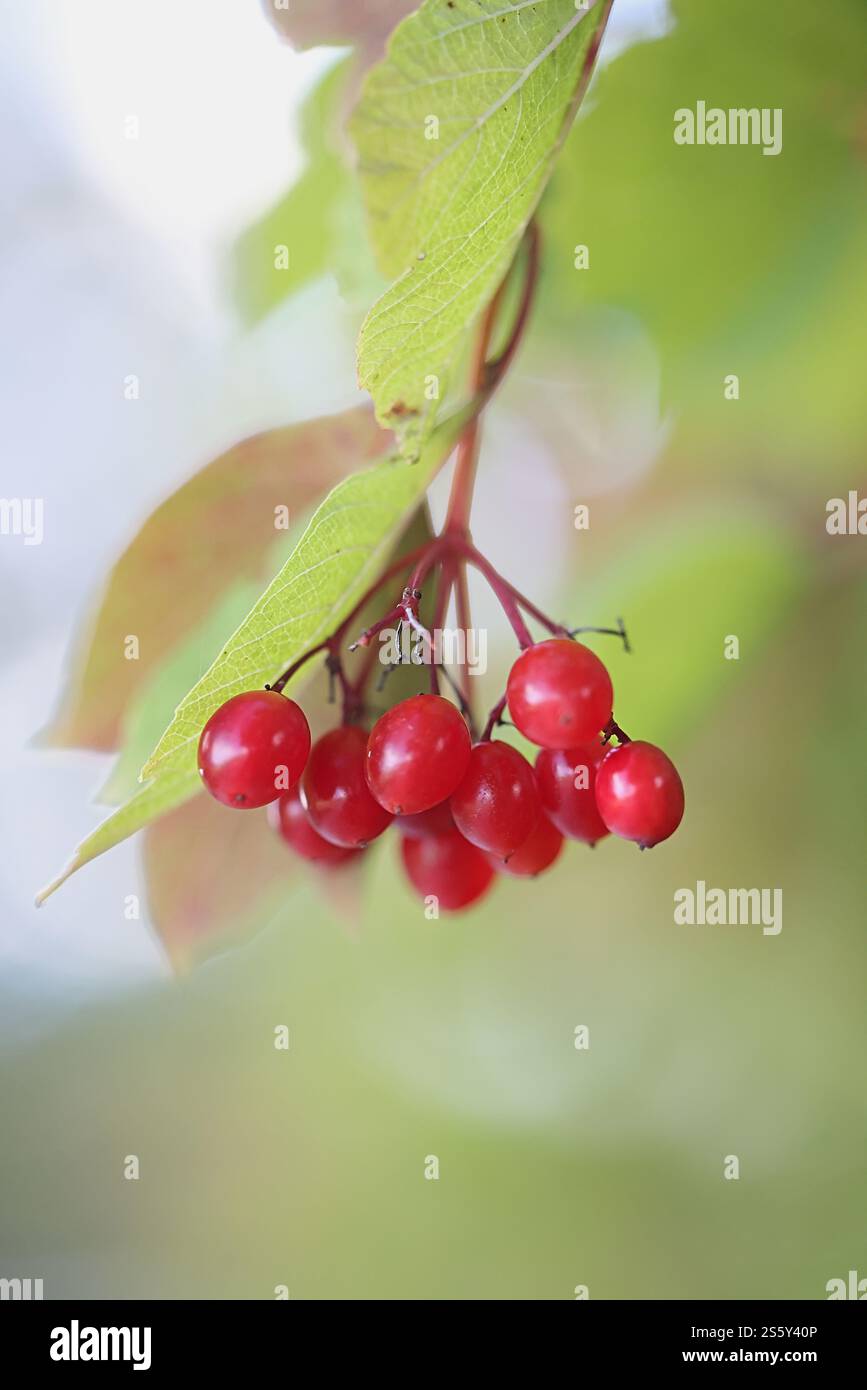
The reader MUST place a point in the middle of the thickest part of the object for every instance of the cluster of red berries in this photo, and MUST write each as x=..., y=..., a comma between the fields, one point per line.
x=464, y=810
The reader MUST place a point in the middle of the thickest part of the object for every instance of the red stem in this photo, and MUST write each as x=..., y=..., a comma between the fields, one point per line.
x=366, y=666
x=463, y=481
x=486, y=375
x=501, y=588
x=557, y=629
x=493, y=719
x=500, y=365
x=462, y=604
x=432, y=552
x=446, y=581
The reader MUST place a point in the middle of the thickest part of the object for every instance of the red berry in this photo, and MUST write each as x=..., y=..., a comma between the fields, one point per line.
x=334, y=792
x=416, y=754
x=253, y=748
x=437, y=821
x=448, y=868
x=559, y=693
x=497, y=803
x=572, y=807
x=537, y=853
x=289, y=818
x=639, y=793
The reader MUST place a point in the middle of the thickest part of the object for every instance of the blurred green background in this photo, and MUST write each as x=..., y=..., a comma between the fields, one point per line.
x=557, y=1167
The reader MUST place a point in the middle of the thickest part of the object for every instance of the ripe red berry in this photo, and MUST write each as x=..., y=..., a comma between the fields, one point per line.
x=639, y=793
x=559, y=693
x=448, y=868
x=253, y=748
x=289, y=818
x=334, y=792
x=538, y=852
x=437, y=821
x=567, y=779
x=497, y=803
x=416, y=754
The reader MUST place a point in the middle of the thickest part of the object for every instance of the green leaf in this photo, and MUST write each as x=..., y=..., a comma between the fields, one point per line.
x=497, y=86
x=339, y=555
x=216, y=530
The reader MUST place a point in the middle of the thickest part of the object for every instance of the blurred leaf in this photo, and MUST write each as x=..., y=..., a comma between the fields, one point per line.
x=728, y=256
x=340, y=553
x=216, y=529
x=201, y=865
x=152, y=706
x=309, y=23
x=457, y=131
x=595, y=408
x=214, y=880
x=683, y=587
x=319, y=221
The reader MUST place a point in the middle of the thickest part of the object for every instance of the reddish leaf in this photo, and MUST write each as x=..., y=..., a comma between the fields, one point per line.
x=216, y=529
x=364, y=23
x=210, y=876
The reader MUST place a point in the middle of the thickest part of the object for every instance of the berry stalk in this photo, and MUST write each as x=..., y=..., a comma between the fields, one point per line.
x=487, y=373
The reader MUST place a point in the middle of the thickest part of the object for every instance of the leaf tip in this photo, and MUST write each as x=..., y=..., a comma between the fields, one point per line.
x=49, y=737
x=52, y=887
